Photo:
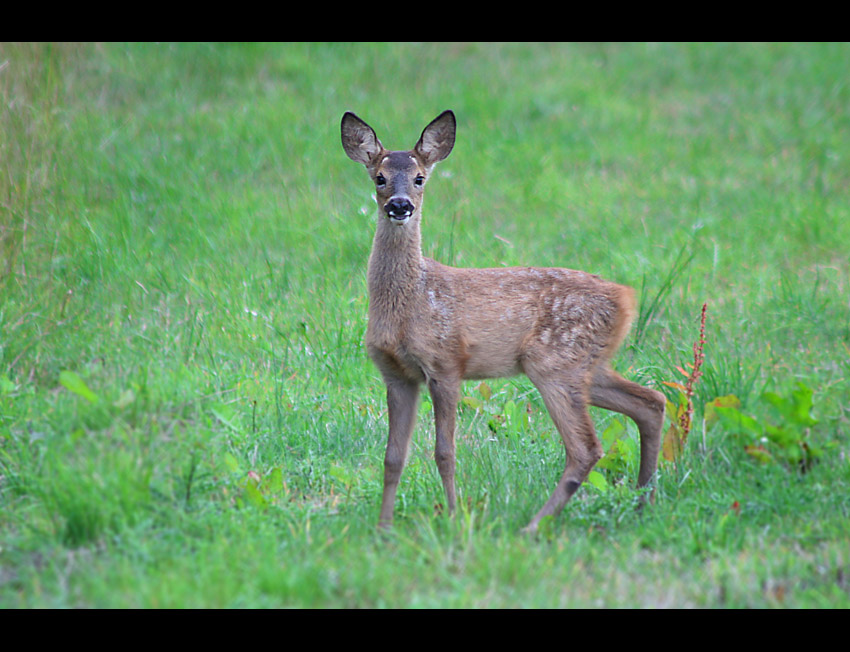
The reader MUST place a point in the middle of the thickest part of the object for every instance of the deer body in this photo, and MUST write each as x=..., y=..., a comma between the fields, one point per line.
x=437, y=325
x=490, y=323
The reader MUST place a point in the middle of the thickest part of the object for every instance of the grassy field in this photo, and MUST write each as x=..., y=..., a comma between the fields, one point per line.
x=188, y=417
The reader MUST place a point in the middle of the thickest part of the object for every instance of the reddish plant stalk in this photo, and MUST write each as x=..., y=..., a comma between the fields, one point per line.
x=686, y=419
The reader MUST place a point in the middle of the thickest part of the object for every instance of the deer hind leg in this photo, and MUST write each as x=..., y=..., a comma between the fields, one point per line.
x=566, y=401
x=644, y=406
x=445, y=394
x=402, y=399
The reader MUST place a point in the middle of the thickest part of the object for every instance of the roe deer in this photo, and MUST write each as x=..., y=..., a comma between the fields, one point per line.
x=439, y=325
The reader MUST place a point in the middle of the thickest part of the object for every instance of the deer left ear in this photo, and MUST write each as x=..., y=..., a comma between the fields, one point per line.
x=359, y=140
x=437, y=139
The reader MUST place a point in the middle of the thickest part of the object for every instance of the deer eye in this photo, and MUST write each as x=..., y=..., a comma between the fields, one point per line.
x=380, y=181
x=419, y=180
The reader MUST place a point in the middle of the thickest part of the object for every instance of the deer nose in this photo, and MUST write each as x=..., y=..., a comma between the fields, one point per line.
x=398, y=208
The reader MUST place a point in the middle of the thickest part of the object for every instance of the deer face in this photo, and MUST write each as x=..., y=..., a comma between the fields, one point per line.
x=399, y=185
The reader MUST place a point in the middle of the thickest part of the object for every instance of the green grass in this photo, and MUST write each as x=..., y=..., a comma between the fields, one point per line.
x=188, y=417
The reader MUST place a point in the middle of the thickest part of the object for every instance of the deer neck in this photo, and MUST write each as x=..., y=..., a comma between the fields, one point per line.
x=395, y=268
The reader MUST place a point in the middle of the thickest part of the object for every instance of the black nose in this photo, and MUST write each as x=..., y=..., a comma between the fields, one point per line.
x=398, y=207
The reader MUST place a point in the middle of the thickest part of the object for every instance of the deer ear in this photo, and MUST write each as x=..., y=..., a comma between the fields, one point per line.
x=437, y=138
x=359, y=140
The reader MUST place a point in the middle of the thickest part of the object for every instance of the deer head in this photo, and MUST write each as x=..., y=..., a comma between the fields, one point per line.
x=399, y=176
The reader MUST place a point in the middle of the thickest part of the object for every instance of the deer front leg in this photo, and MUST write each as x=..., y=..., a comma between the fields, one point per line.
x=402, y=399
x=445, y=394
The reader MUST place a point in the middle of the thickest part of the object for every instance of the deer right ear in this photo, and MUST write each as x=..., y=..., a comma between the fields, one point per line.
x=438, y=138
x=359, y=140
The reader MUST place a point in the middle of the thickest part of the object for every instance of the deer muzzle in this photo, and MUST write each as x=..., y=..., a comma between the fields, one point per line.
x=399, y=209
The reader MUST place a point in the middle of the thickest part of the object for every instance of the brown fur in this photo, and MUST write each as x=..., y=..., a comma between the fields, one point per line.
x=439, y=325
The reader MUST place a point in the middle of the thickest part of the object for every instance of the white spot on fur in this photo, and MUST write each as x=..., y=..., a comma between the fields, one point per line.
x=442, y=314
